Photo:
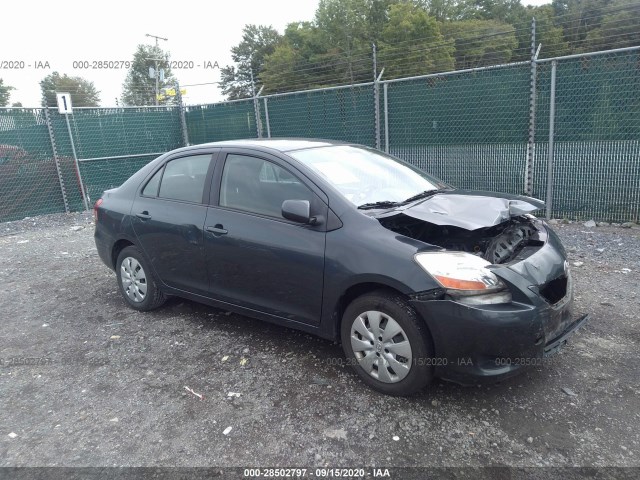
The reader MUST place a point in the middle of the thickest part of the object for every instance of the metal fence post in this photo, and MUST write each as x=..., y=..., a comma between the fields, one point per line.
x=528, y=172
x=376, y=97
x=376, y=111
x=552, y=119
x=183, y=117
x=266, y=117
x=256, y=108
x=75, y=159
x=256, y=103
x=386, y=117
x=54, y=148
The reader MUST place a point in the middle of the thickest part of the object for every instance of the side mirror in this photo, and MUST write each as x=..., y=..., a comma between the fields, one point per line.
x=297, y=210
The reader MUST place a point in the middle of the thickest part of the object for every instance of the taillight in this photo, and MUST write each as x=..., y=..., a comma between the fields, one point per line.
x=95, y=210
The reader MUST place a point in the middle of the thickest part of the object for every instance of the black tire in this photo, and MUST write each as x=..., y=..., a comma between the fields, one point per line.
x=153, y=297
x=393, y=305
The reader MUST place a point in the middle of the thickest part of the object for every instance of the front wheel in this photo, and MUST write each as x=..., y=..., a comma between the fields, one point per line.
x=137, y=283
x=387, y=344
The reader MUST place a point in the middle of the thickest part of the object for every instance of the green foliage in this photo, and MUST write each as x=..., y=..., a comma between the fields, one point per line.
x=346, y=32
x=480, y=43
x=300, y=60
x=415, y=37
x=279, y=70
x=507, y=11
x=139, y=88
x=441, y=10
x=617, y=30
x=5, y=93
x=548, y=33
x=412, y=43
x=83, y=92
x=580, y=18
x=257, y=42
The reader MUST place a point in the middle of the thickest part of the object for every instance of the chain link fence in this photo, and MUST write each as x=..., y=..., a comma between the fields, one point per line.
x=339, y=113
x=469, y=128
x=477, y=129
x=29, y=181
x=595, y=136
x=221, y=121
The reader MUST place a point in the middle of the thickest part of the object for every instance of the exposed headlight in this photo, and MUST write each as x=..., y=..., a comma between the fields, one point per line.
x=463, y=275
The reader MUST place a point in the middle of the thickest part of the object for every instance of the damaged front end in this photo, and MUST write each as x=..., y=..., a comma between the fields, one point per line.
x=477, y=234
x=505, y=289
x=493, y=228
x=497, y=244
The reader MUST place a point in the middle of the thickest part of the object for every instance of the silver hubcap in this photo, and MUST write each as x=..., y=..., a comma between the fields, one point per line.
x=381, y=346
x=134, y=280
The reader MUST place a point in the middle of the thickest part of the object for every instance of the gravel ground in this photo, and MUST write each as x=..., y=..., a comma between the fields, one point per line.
x=108, y=388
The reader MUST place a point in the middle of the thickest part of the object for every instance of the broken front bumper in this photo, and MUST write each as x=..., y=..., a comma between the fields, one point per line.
x=490, y=343
x=493, y=342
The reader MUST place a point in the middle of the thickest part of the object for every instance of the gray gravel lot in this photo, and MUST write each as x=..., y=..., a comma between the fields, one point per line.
x=109, y=386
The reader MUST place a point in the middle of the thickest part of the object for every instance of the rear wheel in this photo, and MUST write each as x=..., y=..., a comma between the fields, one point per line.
x=138, y=285
x=387, y=343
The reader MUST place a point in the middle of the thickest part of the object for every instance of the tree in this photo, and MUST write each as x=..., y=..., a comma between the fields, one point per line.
x=279, y=72
x=5, y=93
x=619, y=28
x=83, y=92
x=346, y=32
x=579, y=17
x=480, y=43
x=139, y=87
x=16, y=104
x=548, y=34
x=506, y=11
x=412, y=43
x=258, y=41
x=441, y=10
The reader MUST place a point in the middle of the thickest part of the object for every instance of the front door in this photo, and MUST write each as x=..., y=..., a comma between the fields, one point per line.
x=255, y=257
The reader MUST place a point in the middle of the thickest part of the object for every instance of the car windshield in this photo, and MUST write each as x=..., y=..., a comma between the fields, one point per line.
x=367, y=177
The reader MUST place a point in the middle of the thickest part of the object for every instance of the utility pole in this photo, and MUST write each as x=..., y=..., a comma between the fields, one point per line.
x=156, y=60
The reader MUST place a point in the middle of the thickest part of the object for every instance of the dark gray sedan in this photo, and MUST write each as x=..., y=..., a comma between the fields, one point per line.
x=416, y=278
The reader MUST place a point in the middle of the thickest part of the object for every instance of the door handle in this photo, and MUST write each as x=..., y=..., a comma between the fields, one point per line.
x=143, y=215
x=218, y=230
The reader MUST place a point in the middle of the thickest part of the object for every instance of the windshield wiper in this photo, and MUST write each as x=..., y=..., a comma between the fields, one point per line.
x=382, y=204
x=391, y=204
x=425, y=194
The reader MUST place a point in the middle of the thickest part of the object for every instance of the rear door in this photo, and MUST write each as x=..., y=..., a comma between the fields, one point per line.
x=168, y=218
x=255, y=257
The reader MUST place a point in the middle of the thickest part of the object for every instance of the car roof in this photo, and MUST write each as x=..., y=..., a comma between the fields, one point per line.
x=279, y=144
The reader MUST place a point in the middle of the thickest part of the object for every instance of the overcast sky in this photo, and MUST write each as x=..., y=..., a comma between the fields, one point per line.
x=65, y=31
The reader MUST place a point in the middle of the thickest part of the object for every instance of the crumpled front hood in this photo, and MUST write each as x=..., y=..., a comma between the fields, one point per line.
x=468, y=209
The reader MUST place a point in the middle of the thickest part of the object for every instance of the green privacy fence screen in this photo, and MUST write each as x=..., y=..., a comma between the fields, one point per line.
x=596, y=155
x=344, y=114
x=28, y=178
x=471, y=128
x=221, y=121
x=134, y=136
